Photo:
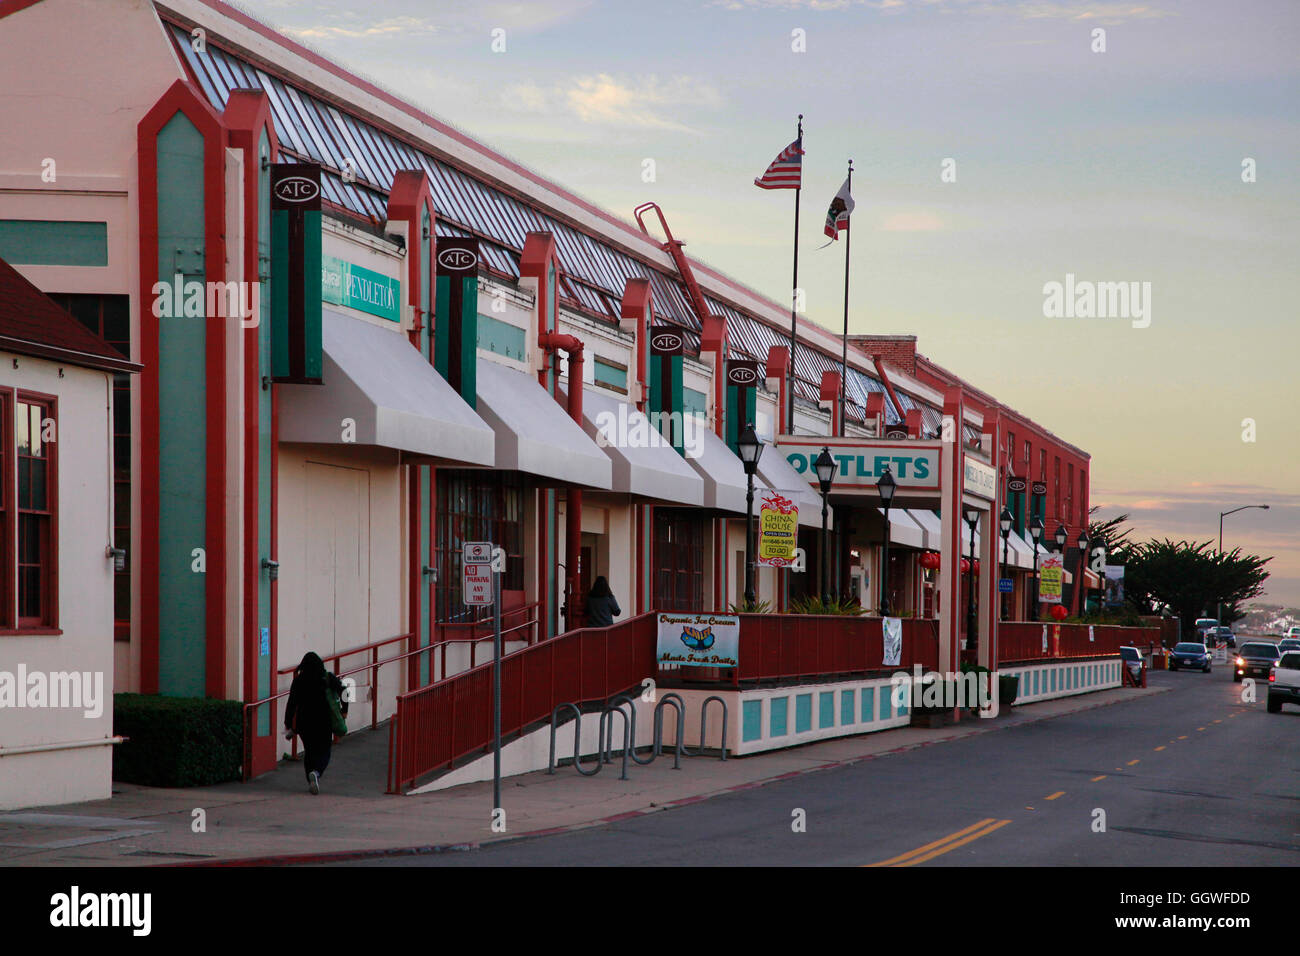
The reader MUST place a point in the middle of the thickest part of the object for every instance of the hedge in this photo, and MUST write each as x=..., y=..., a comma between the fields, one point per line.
x=177, y=741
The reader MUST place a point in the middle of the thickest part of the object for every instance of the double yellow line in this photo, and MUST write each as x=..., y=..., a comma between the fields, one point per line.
x=944, y=844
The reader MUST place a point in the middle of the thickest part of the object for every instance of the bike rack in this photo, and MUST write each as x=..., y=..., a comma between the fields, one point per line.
x=679, y=706
x=704, y=723
x=577, y=748
x=618, y=702
x=607, y=728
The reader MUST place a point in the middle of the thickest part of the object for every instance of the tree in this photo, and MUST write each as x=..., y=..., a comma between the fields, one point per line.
x=1111, y=534
x=1190, y=579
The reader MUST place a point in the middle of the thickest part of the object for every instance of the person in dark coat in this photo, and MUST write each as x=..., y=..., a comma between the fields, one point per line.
x=602, y=606
x=308, y=715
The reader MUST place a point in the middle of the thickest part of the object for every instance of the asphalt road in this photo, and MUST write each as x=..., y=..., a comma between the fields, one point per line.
x=1192, y=777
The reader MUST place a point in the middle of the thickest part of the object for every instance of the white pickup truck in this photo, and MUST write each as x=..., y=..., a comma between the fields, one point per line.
x=1284, y=682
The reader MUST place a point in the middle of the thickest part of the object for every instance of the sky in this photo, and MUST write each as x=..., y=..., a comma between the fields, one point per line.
x=1123, y=164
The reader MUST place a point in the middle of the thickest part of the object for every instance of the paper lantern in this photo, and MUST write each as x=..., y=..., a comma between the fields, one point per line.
x=1059, y=612
x=930, y=561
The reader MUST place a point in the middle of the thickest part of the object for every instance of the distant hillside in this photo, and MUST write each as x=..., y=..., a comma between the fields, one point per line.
x=1268, y=619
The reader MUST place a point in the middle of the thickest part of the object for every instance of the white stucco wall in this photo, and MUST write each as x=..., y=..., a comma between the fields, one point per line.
x=85, y=601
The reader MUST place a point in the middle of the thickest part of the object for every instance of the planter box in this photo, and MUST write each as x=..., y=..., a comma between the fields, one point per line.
x=932, y=719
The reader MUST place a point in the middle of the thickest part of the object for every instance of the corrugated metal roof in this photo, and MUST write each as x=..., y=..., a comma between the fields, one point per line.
x=322, y=133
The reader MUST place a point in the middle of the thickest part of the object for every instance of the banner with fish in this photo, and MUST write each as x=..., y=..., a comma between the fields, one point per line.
x=698, y=640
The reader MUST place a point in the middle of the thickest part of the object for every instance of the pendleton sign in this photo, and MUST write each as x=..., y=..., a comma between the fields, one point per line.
x=343, y=283
x=296, y=351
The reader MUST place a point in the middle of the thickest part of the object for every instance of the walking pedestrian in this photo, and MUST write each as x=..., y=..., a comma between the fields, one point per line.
x=314, y=716
x=602, y=606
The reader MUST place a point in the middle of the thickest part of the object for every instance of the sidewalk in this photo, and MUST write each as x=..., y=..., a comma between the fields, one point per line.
x=275, y=817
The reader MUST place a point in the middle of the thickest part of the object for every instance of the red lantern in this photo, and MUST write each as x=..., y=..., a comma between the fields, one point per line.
x=977, y=566
x=1059, y=612
x=930, y=561
x=965, y=565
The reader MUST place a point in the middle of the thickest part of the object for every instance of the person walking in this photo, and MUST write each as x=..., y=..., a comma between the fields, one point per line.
x=309, y=715
x=602, y=606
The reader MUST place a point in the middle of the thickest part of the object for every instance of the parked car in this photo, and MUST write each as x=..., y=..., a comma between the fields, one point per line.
x=1205, y=625
x=1293, y=631
x=1254, y=659
x=1225, y=636
x=1133, y=660
x=1284, y=682
x=1188, y=654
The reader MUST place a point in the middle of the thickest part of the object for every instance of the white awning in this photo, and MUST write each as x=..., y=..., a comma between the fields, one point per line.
x=394, y=397
x=723, y=474
x=643, y=462
x=929, y=522
x=534, y=433
x=903, y=530
x=1020, y=555
x=781, y=477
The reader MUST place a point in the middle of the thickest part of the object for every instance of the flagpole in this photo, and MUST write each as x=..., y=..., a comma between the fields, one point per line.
x=844, y=355
x=794, y=290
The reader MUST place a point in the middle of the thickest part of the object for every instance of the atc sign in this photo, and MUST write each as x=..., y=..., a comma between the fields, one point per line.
x=666, y=340
x=457, y=258
x=742, y=373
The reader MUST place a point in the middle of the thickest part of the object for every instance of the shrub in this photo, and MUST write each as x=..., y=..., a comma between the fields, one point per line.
x=177, y=741
x=837, y=606
x=757, y=607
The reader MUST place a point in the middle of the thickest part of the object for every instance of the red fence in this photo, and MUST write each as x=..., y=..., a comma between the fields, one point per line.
x=443, y=722
x=774, y=646
x=1023, y=640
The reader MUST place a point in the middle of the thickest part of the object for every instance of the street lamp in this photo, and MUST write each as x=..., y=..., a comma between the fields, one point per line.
x=1222, y=515
x=886, y=486
x=1082, y=543
x=825, y=467
x=751, y=447
x=1005, y=520
x=1035, y=532
x=1060, y=536
x=972, y=519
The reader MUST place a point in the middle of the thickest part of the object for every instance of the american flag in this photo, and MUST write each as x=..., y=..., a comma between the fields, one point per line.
x=785, y=171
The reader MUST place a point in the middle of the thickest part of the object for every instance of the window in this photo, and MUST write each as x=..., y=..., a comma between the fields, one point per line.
x=679, y=560
x=476, y=506
x=1042, y=464
x=1011, y=452
x=109, y=317
x=1056, y=487
x=1069, y=493
x=28, y=515
x=611, y=374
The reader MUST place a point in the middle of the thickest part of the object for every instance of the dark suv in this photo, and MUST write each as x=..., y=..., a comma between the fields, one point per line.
x=1255, y=659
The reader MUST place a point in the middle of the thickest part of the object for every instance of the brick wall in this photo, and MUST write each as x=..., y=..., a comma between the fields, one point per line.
x=896, y=350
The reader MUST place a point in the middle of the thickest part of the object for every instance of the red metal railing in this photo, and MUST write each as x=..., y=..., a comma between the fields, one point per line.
x=373, y=666
x=515, y=620
x=439, y=724
x=1023, y=640
x=775, y=646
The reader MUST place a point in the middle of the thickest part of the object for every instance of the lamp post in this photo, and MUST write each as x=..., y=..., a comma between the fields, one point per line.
x=1222, y=515
x=1082, y=602
x=886, y=486
x=825, y=467
x=751, y=447
x=1035, y=532
x=1005, y=521
x=972, y=519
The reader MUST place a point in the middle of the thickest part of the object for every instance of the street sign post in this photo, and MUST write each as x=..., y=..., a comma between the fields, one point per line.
x=482, y=565
x=476, y=572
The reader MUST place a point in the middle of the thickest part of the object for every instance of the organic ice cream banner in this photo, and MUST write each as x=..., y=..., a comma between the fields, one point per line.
x=698, y=640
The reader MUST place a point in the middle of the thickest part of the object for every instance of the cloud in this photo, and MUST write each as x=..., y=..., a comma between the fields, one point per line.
x=602, y=99
x=389, y=26
x=1082, y=11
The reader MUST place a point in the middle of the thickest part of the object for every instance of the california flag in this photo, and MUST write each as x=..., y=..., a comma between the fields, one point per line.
x=837, y=217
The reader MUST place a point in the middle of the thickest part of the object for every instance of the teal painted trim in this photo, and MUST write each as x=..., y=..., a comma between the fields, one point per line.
x=779, y=709
x=612, y=375
x=886, y=706
x=442, y=335
x=182, y=350
x=826, y=709
x=868, y=704
x=848, y=706
x=802, y=713
x=312, y=342
x=901, y=710
x=503, y=338
x=426, y=287
x=694, y=403
x=751, y=725
x=265, y=445
x=469, y=341
x=44, y=242
x=1053, y=678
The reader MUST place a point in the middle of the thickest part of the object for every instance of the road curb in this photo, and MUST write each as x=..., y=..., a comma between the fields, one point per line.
x=343, y=856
